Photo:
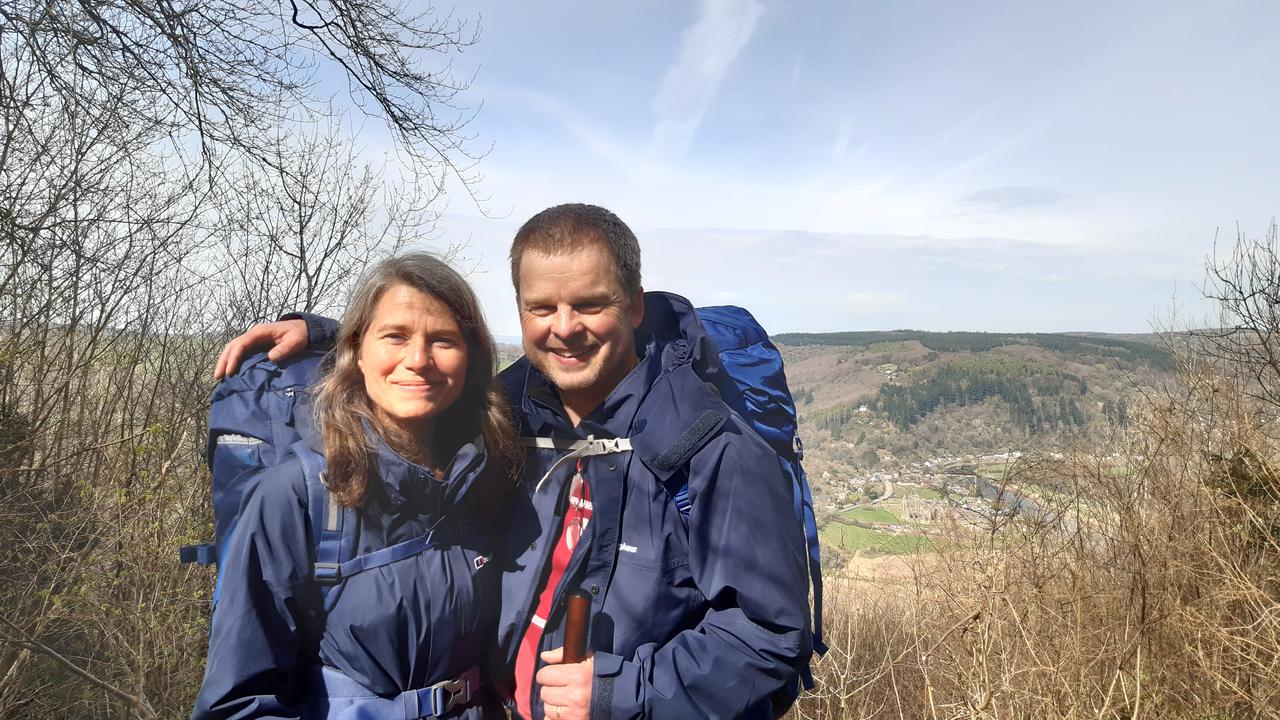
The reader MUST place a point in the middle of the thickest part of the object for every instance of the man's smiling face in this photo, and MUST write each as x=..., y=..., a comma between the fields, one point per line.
x=577, y=323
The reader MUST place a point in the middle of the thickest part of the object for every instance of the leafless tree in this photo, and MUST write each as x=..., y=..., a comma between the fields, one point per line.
x=229, y=72
x=1245, y=287
x=168, y=172
x=284, y=243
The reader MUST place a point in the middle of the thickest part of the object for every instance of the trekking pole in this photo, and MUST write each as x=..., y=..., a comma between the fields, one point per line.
x=575, y=626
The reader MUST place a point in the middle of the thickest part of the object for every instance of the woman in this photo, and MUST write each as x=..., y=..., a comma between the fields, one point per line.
x=410, y=432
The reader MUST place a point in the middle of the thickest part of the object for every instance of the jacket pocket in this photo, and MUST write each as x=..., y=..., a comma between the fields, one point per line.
x=650, y=601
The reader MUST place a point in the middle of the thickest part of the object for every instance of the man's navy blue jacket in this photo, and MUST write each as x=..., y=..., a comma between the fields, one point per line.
x=402, y=626
x=698, y=616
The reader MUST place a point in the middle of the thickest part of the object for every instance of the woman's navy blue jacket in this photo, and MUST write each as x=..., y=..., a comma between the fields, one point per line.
x=402, y=626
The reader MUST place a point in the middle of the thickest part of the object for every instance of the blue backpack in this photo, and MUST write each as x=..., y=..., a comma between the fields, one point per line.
x=750, y=380
x=754, y=386
x=251, y=427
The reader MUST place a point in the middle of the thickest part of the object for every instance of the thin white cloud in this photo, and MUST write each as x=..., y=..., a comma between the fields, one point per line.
x=871, y=302
x=798, y=281
x=1011, y=198
x=843, y=135
x=797, y=70
x=999, y=148
x=595, y=139
x=708, y=49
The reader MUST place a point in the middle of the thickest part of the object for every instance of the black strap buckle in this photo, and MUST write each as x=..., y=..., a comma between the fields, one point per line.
x=327, y=573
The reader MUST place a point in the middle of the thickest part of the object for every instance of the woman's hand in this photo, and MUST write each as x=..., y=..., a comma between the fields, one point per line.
x=566, y=688
x=283, y=337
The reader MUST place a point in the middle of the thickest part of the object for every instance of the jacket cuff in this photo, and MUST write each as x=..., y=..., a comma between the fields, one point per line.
x=322, y=332
x=615, y=690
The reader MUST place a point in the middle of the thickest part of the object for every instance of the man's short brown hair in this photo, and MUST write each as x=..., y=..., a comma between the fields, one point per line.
x=571, y=226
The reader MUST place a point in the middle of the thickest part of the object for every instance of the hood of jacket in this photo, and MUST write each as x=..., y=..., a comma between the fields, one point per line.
x=466, y=482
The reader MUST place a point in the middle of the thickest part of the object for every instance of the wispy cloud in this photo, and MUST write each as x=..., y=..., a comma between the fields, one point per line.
x=794, y=77
x=595, y=139
x=708, y=49
x=811, y=281
x=840, y=146
x=1014, y=197
x=871, y=302
x=985, y=155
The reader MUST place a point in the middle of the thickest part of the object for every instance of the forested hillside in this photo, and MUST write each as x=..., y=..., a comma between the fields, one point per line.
x=1077, y=344
x=1051, y=526
x=903, y=396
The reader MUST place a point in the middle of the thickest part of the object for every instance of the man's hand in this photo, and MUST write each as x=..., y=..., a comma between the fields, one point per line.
x=566, y=688
x=284, y=337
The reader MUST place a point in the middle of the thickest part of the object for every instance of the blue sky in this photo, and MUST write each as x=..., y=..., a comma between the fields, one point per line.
x=874, y=165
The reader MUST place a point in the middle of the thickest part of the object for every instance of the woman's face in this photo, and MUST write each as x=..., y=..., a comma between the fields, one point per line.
x=414, y=359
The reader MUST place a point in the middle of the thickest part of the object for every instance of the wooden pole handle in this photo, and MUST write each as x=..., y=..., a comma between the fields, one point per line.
x=577, y=614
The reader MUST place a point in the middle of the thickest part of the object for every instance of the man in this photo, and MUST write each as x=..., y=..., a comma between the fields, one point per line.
x=698, y=609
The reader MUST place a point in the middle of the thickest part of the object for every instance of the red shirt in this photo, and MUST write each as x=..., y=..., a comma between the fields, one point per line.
x=576, y=518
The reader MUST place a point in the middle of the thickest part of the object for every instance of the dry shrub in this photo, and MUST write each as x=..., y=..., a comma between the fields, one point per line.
x=871, y=669
x=1144, y=582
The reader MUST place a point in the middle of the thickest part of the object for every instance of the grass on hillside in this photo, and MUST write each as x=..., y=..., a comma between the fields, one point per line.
x=996, y=470
x=852, y=538
x=871, y=515
x=924, y=493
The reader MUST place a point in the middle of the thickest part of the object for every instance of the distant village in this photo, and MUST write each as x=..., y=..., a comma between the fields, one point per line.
x=933, y=494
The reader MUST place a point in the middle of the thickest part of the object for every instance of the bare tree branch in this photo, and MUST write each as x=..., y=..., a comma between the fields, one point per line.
x=137, y=703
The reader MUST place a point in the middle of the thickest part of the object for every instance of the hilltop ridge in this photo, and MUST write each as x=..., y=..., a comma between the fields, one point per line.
x=1138, y=346
x=875, y=400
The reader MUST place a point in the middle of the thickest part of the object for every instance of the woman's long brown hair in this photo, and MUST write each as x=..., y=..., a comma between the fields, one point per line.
x=343, y=408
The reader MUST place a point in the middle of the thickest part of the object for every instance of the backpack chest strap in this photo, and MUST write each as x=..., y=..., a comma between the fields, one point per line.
x=577, y=449
x=335, y=572
x=441, y=698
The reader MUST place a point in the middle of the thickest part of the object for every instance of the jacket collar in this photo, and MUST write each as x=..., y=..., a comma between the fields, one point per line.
x=613, y=416
x=544, y=413
x=410, y=484
x=670, y=337
x=406, y=483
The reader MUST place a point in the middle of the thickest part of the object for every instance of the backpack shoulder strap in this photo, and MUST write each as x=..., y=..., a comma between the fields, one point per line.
x=335, y=533
x=334, y=528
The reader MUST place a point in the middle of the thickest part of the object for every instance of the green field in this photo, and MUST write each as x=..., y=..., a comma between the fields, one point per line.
x=922, y=493
x=872, y=542
x=995, y=471
x=840, y=533
x=871, y=515
x=892, y=346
